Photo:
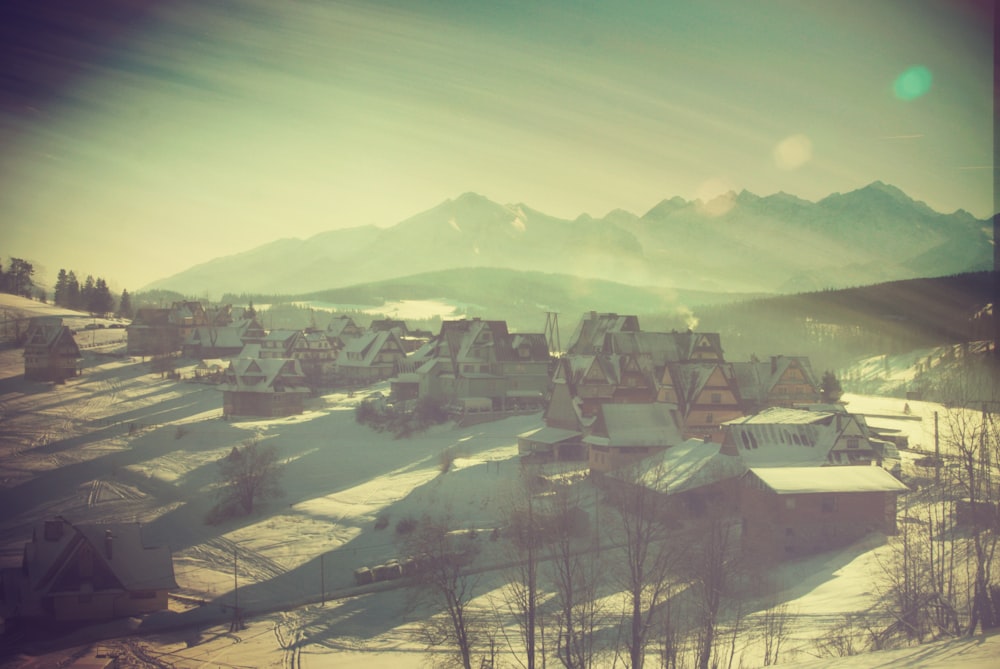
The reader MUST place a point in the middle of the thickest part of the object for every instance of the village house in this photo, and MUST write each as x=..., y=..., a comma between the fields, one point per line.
x=689, y=483
x=788, y=437
x=588, y=337
x=89, y=572
x=158, y=331
x=371, y=357
x=263, y=387
x=216, y=341
x=278, y=343
x=789, y=511
x=316, y=356
x=50, y=351
x=623, y=434
x=616, y=362
x=478, y=366
x=705, y=393
x=783, y=381
x=340, y=330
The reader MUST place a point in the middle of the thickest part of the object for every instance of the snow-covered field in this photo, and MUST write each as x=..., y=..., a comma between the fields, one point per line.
x=119, y=443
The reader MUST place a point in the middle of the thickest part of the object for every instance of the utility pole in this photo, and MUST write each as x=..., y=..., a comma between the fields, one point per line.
x=322, y=582
x=237, y=623
x=552, y=332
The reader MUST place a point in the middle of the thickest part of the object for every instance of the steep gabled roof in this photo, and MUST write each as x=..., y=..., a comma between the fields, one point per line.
x=645, y=424
x=264, y=375
x=46, y=333
x=686, y=466
x=361, y=351
x=779, y=437
x=117, y=549
x=588, y=338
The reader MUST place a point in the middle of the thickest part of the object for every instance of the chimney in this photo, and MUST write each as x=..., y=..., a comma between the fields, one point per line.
x=774, y=364
x=108, y=543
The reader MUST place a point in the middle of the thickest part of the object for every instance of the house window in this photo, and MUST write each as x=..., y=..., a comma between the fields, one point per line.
x=710, y=419
x=852, y=442
x=716, y=398
x=790, y=503
x=828, y=503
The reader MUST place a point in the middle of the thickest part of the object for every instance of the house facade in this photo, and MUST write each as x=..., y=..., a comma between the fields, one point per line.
x=789, y=511
x=783, y=381
x=373, y=356
x=263, y=387
x=623, y=434
x=792, y=437
x=50, y=351
x=91, y=572
x=477, y=365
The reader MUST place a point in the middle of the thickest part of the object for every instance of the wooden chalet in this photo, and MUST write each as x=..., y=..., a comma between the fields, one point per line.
x=371, y=357
x=50, y=351
x=705, y=393
x=340, y=330
x=588, y=337
x=783, y=381
x=789, y=511
x=623, y=434
x=216, y=341
x=278, y=343
x=316, y=356
x=791, y=437
x=157, y=331
x=264, y=387
x=690, y=482
x=90, y=572
x=477, y=365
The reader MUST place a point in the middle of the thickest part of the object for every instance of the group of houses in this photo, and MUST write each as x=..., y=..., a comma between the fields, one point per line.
x=663, y=413
x=667, y=414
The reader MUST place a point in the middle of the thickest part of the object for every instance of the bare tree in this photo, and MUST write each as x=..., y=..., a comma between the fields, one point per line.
x=443, y=556
x=975, y=442
x=710, y=567
x=651, y=558
x=526, y=534
x=247, y=475
x=575, y=574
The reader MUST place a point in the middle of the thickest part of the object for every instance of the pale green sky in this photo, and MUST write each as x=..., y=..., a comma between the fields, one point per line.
x=220, y=126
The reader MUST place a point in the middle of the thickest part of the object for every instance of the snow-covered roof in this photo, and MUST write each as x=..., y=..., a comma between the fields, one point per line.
x=362, y=351
x=802, y=480
x=133, y=564
x=648, y=424
x=265, y=375
x=688, y=465
x=548, y=435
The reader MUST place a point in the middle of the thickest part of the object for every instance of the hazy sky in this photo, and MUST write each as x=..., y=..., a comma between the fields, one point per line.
x=134, y=144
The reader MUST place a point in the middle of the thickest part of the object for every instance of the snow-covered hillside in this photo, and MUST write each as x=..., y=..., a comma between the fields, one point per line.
x=121, y=444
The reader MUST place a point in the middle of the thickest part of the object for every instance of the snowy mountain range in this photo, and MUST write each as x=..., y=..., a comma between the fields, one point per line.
x=738, y=242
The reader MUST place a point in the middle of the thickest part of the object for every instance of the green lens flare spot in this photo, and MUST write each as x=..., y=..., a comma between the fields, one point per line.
x=913, y=83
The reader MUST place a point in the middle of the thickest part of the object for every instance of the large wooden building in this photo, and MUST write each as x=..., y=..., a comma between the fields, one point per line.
x=789, y=511
x=89, y=572
x=50, y=351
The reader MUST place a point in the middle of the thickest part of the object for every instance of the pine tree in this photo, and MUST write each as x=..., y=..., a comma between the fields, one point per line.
x=101, y=301
x=59, y=297
x=72, y=291
x=829, y=388
x=18, y=278
x=87, y=293
x=125, y=305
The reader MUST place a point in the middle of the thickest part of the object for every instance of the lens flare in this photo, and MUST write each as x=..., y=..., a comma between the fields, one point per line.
x=792, y=152
x=913, y=83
